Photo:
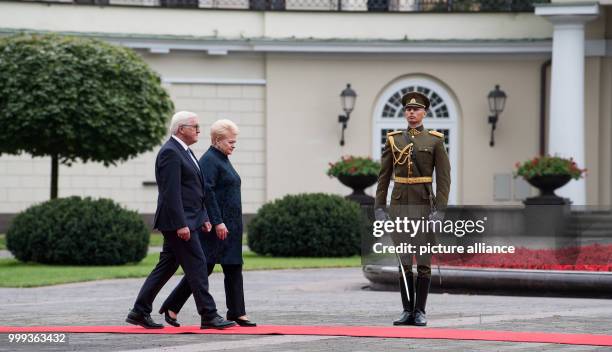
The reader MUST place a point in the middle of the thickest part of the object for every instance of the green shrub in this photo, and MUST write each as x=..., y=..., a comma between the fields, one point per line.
x=78, y=232
x=307, y=225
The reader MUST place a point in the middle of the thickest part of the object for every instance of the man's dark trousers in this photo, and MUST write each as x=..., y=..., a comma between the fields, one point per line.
x=189, y=255
x=234, y=291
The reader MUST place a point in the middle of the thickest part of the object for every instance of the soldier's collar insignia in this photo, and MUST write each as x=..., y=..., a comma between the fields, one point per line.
x=413, y=132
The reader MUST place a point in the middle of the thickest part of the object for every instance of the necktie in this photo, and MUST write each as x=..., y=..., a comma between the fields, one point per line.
x=193, y=158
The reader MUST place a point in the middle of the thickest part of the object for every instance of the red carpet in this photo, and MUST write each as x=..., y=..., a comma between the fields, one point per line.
x=355, y=331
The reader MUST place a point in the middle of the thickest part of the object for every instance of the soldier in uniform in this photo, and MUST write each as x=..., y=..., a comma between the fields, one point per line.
x=411, y=157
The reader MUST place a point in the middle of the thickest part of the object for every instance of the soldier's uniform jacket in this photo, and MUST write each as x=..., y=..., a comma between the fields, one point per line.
x=427, y=148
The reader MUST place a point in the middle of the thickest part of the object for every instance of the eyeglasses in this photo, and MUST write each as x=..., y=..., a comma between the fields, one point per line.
x=197, y=127
x=408, y=108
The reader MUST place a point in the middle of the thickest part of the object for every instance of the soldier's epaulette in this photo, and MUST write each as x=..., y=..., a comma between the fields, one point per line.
x=436, y=133
x=393, y=133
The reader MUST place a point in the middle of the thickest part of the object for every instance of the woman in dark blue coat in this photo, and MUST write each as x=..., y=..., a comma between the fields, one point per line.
x=223, y=245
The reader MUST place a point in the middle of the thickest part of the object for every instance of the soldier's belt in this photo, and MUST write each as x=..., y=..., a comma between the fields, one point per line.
x=413, y=180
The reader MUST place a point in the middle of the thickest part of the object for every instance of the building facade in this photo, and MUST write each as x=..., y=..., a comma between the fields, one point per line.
x=278, y=75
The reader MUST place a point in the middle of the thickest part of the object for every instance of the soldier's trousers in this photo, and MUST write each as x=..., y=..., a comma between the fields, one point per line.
x=413, y=292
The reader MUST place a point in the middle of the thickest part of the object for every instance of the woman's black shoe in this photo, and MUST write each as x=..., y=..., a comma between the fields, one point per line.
x=170, y=320
x=244, y=323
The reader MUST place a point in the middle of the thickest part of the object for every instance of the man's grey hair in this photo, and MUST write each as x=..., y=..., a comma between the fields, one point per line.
x=180, y=118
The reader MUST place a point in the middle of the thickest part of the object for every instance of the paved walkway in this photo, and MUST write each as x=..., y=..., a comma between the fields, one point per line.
x=317, y=297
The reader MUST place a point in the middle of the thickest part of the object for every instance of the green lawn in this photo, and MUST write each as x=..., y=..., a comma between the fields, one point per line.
x=157, y=239
x=16, y=274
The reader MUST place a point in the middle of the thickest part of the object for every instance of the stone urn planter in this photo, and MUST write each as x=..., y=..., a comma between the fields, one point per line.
x=359, y=183
x=547, y=173
x=547, y=184
x=358, y=173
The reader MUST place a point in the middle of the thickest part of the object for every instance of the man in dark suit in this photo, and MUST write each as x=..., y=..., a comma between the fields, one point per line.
x=180, y=212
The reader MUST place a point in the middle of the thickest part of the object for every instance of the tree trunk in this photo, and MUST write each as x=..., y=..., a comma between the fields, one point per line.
x=54, y=175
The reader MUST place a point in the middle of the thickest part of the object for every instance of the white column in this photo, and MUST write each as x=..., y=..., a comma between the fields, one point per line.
x=566, y=134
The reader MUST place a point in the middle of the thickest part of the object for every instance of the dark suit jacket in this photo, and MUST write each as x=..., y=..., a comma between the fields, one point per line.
x=224, y=206
x=180, y=184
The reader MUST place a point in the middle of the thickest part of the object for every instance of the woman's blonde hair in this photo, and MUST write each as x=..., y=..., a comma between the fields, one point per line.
x=221, y=128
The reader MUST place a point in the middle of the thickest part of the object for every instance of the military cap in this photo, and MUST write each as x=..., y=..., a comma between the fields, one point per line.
x=416, y=99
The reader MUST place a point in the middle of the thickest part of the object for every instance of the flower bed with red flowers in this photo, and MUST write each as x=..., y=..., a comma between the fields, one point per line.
x=586, y=258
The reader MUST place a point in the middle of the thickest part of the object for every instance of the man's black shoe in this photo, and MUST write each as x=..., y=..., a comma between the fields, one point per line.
x=216, y=323
x=143, y=320
x=420, y=319
x=407, y=318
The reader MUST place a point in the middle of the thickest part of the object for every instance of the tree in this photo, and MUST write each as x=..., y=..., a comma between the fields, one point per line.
x=78, y=99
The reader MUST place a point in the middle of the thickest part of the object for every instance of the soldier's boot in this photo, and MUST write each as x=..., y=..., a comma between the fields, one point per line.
x=422, y=290
x=407, y=317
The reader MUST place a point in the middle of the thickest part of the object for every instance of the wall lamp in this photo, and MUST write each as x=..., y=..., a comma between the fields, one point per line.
x=497, y=102
x=347, y=100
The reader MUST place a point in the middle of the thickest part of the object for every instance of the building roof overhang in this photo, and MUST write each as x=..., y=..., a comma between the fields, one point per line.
x=163, y=44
